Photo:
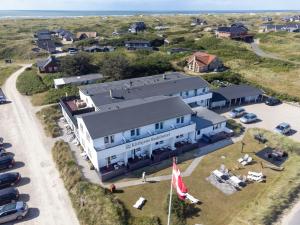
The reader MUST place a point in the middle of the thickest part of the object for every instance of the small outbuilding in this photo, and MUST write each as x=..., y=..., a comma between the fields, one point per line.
x=77, y=80
x=235, y=95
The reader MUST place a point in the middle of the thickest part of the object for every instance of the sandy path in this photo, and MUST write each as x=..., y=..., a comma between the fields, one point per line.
x=41, y=186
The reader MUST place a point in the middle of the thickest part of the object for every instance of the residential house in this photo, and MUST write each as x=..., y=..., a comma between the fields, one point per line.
x=198, y=22
x=47, y=45
x=295, y=18
x=66, y=36
x=275, y=28
x=49, y=65
x=201, y=62
x=85, y=35
x=236, y=31
x=138, y=45
x=77, y=80
x=115, y=124
x=137, y=27
x=267, y=19
x=97, y=48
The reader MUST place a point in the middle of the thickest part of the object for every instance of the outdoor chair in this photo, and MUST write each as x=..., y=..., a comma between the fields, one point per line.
x=192, y=199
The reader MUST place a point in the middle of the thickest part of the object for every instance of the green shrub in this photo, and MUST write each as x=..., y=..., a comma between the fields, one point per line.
x=145, y=221
x=237, y=128
x=5, y=72
x=49, y=117
x=93, y=204
x=178, y=211
x=30, y=83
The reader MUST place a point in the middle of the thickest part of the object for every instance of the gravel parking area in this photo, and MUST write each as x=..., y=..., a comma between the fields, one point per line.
x=41, y=186
x=271, y=116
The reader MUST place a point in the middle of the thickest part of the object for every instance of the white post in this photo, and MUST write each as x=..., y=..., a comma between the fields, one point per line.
x=170, y=200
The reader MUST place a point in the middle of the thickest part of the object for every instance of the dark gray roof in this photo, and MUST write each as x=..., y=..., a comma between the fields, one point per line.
x=234, y=29
x=235, y=91
x=47, y=45
x=41, y=63
x=168, y=84
x=205, y=118
x=135, y=114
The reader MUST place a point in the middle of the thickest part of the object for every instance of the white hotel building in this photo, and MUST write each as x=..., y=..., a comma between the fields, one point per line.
x=128, y=124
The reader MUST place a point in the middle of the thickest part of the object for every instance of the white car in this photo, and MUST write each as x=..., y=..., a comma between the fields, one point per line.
x=237, y=112
x=283, y=128
x=249, y=118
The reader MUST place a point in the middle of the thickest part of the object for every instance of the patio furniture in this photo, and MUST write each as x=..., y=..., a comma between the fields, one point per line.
x=121, y=163
x=192, y=199
x=247, y=162
x=139, y=203
x=253, y=176
x=116, y=167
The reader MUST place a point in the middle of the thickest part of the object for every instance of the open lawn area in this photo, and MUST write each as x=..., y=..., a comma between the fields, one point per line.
x=255, y=203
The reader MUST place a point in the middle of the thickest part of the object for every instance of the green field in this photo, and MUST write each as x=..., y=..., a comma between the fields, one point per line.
x=253, y=204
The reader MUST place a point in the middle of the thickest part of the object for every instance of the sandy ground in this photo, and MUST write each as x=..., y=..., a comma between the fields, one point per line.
x=41, y=186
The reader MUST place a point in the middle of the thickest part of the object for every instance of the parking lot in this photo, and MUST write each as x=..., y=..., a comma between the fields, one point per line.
x=40, y=187
x=271, y=116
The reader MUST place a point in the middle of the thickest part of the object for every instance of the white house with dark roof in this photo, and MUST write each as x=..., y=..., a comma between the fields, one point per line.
x=129, y=124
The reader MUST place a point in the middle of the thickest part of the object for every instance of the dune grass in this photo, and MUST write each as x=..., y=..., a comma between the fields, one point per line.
x=6, y=71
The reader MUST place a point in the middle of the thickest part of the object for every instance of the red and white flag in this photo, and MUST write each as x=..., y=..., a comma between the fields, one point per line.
x=178, y=183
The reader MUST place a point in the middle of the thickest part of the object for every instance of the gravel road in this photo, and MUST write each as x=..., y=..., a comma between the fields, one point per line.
x=41, y=186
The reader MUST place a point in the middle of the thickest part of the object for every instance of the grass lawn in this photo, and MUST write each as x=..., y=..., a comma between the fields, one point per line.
x=6, y=71
x=216, y=207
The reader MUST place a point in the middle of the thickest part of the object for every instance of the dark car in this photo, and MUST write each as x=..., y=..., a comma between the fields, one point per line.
x=271, y=101
x=7, y=161
x=9, y=195
x=9, y=179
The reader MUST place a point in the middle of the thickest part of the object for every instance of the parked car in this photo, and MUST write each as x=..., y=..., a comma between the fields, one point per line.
x=9, y=179
x=283, y=128
x=271, y=101
x=9, y=195
x=249, y=118
x=237, y=112
x=7, y=161
x=13, y=211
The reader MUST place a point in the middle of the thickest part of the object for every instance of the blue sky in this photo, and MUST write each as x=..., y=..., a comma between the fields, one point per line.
x=149, y=4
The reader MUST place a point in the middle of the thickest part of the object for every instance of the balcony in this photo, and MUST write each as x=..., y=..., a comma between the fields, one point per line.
x=138, y=162
x=161, y=154
x=111, y=171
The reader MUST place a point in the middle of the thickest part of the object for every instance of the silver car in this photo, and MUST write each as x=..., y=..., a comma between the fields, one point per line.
x=283, y=128
x=237, y=112
x=13, y=211
x=249, y=118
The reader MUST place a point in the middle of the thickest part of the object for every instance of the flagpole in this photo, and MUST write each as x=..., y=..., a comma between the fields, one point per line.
x=171, y=193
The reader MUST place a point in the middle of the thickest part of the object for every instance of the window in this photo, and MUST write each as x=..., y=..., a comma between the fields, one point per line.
x=112, y=140
x=195, y=92
x=138, y=132
x=161, y=125
x=161, y=142
x=187, y=93
x=113, y=157
x=182, y=119
x=198, y=132
x=217, y=126
x=106, y=140
x=178, y=120
x=132, y=133
x=156, y=126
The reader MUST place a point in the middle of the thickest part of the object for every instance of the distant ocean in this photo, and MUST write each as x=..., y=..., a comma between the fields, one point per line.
x=21, y=14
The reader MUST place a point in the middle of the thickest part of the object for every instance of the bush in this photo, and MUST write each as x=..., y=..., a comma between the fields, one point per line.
x=78, y=64
x=237, y=128
x=145, y=221
x=93, y=204
x=30, y=83
x=54, y=95
x=228, y=76
x=49, y=117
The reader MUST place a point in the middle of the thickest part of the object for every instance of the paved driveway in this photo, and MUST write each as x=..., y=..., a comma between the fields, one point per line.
x=41, y=185
x=271, y=116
